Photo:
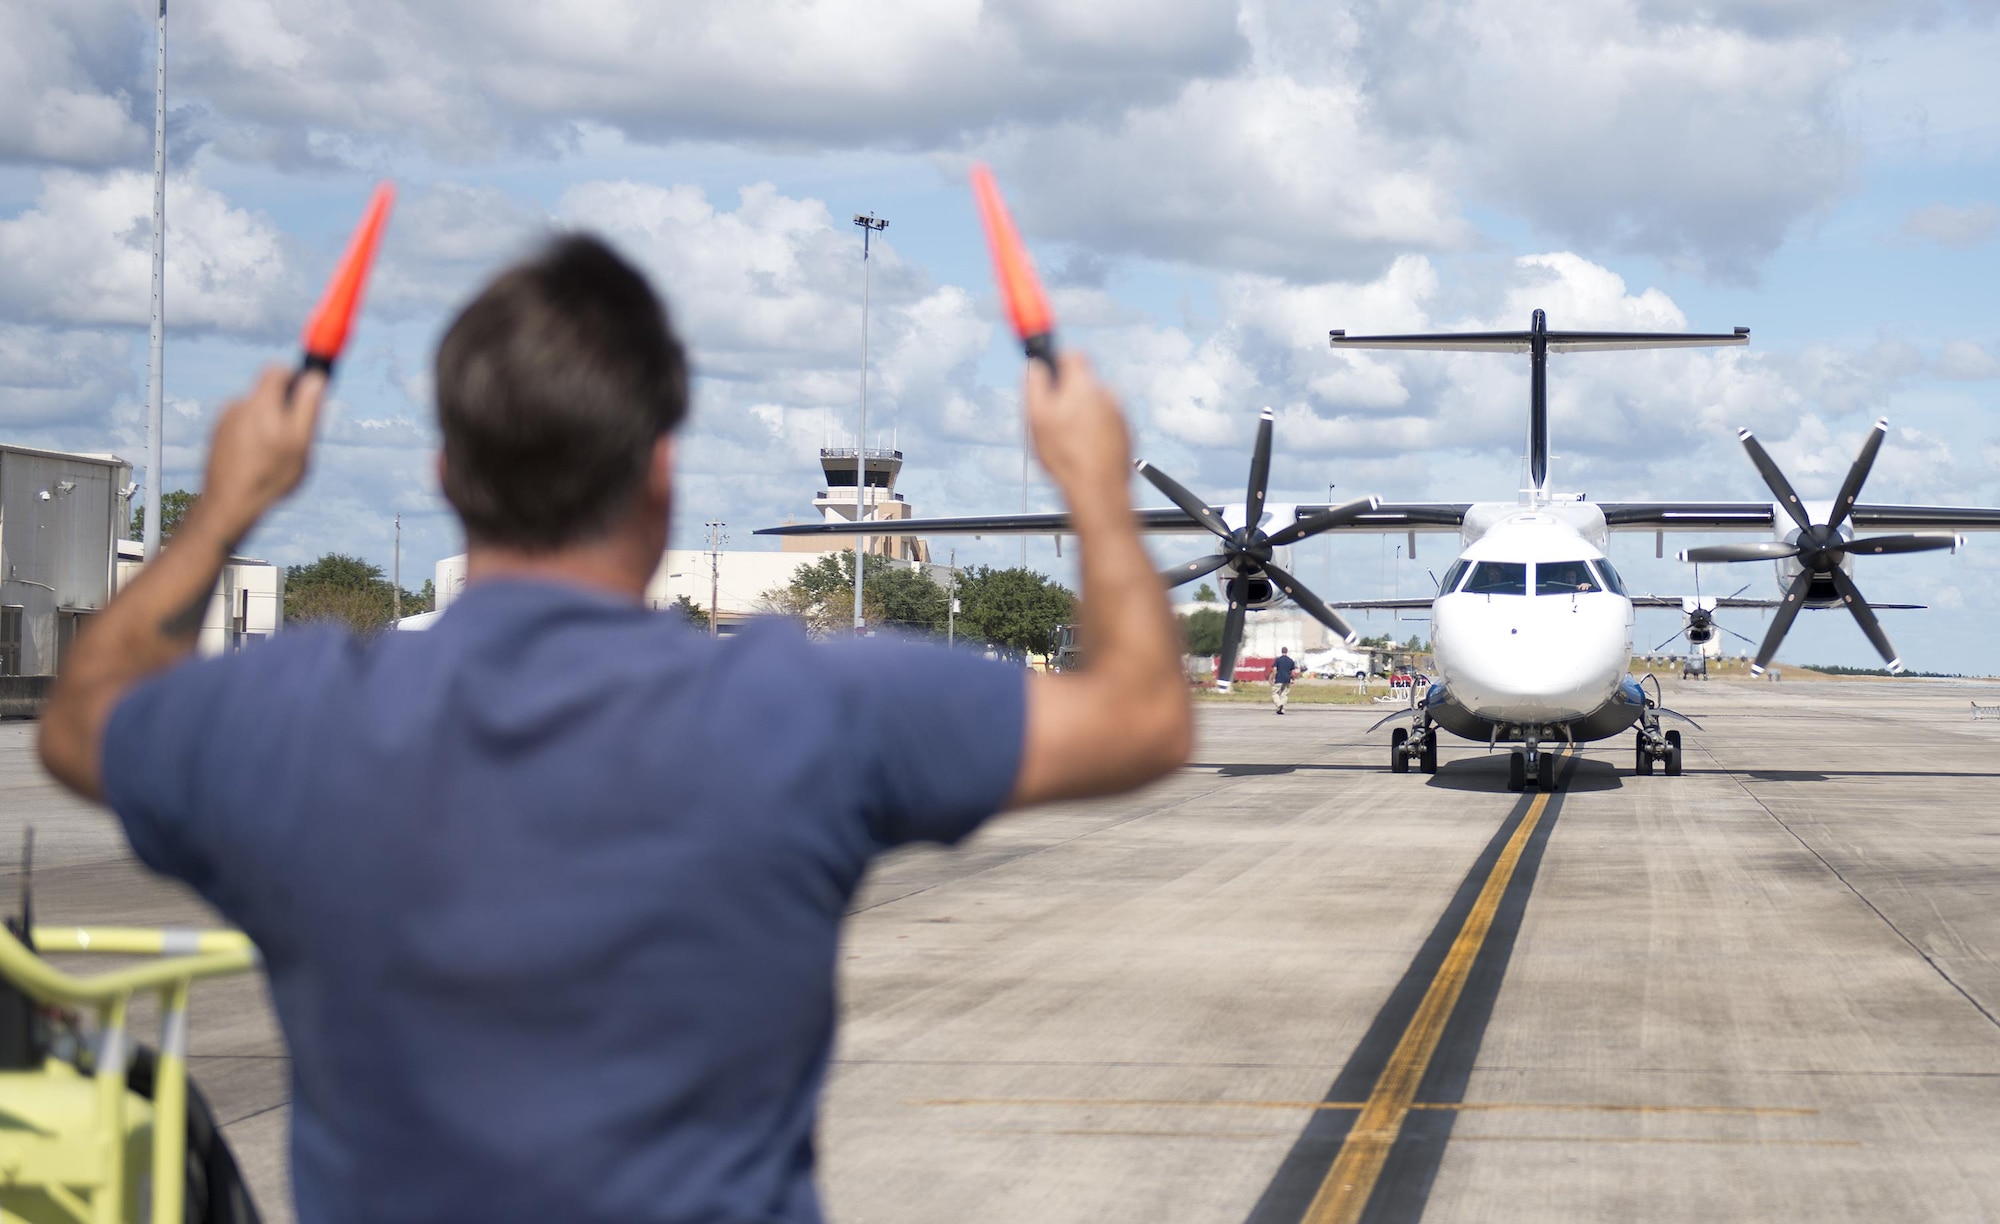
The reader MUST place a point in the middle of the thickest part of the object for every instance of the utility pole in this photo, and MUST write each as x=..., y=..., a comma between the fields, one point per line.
x=156, y=449
x=715, y=541
x=951, y=609
x=870, y=226
x=396, y=575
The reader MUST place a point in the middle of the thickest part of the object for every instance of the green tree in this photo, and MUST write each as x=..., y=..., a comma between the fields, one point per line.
x=1202, y=631
x=1017, y=608
x=691, y=612
x=821, y=595
x=174, y=507
x=347, y=589
x=1206, y=594
x=908, y=599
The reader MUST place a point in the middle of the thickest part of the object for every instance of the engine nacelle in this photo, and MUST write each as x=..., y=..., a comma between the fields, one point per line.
x=1253, y=592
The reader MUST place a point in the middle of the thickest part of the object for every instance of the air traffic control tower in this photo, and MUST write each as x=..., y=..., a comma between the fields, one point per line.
x=871, y=498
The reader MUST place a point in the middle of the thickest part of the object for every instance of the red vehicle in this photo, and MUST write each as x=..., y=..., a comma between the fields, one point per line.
x=1251, y=670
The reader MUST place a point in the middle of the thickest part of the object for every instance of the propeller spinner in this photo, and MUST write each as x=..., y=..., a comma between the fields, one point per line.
x=1821, y=548
x=1247, y=550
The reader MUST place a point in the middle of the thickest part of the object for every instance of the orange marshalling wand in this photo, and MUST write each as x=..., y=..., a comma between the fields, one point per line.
x=1027, y=305
x=326, y=331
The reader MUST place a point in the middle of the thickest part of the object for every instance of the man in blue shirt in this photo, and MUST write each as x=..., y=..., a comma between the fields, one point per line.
x=549, y=896
x=1282, y=670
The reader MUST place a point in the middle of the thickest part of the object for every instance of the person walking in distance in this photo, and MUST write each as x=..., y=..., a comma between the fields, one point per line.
x=550, y=895
x=1281, y=677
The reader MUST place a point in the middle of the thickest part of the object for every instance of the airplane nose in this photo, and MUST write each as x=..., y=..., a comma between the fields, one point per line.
x=1540, y=657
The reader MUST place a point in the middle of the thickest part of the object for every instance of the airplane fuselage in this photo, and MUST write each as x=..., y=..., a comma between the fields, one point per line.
x=1532, y=629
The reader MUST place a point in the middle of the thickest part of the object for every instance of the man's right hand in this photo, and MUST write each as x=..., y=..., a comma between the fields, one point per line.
x=1079, y=432
x=261, y=448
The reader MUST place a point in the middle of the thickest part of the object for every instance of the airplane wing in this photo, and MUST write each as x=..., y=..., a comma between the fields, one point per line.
x=1419, y=604
x=1688, y=516
x=1721, y=601
x=1731, y=601
x=1390, y=516
x=1868, y=518
x=1399, y=516
x=1158, y=521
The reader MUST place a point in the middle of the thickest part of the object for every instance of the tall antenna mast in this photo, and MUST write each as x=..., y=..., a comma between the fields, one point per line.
x=156, y=450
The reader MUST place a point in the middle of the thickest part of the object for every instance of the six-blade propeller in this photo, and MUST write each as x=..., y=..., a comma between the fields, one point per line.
x=1821, y=549
x=1247, y=550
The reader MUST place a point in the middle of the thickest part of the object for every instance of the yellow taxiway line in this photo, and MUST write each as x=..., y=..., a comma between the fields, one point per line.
x=1349, y=1183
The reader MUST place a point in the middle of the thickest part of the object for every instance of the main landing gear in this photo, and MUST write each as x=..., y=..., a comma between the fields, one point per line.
x=1418, y=743
x=1659, y=747
x=1653, y=746
x=1531, y=762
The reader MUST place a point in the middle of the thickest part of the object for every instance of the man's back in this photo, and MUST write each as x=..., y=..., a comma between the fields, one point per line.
x=547, y=918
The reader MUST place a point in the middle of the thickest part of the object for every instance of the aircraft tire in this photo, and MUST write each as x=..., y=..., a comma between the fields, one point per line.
x=1673, y=754
x=1644, y=768
x=1430, y=757
x=1547, y=771
x=1399, y=762
x=1517, y=772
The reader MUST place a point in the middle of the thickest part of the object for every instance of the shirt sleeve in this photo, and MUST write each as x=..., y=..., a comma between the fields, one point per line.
x=182, y=747
x=940, y=733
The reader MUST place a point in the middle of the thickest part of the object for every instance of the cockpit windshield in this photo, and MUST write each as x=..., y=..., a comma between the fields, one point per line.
x=1452, y=575
x=1564, y=578
x=1498, y=578
x=1612, y=582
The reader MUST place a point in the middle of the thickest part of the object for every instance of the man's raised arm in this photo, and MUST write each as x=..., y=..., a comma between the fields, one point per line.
x=258, y=455
x=1125, y=719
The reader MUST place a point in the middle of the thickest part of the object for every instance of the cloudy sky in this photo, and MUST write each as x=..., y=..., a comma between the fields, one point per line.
x=1210, y=185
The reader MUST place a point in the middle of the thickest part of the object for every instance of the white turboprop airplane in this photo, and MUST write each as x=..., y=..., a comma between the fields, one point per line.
x=1531, y=626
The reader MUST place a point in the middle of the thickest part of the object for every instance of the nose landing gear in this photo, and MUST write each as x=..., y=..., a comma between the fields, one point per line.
x=1418, y=743
x=1531, y=762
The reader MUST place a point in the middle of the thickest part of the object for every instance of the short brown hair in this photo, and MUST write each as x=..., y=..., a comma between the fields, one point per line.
x=552, y=387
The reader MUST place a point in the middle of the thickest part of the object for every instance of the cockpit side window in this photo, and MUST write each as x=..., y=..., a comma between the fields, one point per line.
x=1564, y=578
x=1451, y=576
x=1498, y=578
x=1612, y=582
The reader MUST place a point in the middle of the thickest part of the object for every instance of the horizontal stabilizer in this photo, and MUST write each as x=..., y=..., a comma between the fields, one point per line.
x=1523, y=341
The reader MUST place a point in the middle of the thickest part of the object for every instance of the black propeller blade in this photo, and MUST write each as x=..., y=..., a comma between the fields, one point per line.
x=1823, y=550
x=1200, y=568
x=1177, y=493
x=1916, y=541
x=1325, y=520
x=1781, y=620
x=1850, y=489
x=1260, y=472
x=1247, y=550
x=1232, y=640
x=1296, y=591
x=1751, y=550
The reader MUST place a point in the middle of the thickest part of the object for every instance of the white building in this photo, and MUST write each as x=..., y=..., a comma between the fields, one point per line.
x=735, y=582
x=1267, y=632
x=248, y=604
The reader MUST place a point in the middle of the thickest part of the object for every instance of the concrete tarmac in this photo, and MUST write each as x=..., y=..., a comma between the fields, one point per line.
x=1286, y=984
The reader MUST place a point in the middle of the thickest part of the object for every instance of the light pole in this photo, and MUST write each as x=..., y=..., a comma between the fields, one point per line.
x=396, y=575
x=156, y=449
x=870, y=225
x=715, y=541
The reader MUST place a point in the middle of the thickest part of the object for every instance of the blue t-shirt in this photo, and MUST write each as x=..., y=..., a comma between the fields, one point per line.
x=1282, y=669
x=550, y=895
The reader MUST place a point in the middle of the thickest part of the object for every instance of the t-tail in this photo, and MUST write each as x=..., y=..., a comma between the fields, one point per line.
x=1538, y=342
